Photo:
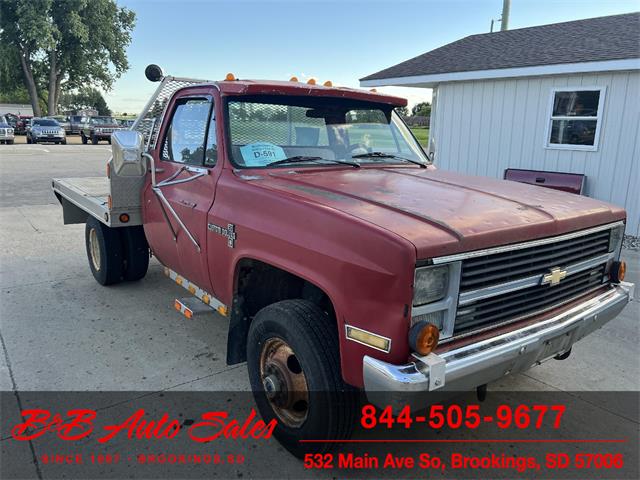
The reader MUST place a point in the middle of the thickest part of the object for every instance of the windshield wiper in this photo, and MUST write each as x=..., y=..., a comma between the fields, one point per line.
x=387, y=155
x=304, y=158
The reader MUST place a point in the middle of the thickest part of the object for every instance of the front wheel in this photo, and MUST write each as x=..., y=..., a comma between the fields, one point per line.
x=84, y=139
x=293, y=360
x=94, y=140
x=104, y=250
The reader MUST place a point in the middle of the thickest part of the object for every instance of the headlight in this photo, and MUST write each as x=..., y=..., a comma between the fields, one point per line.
x=615, y=238
x=61, y=131
x=430, y=284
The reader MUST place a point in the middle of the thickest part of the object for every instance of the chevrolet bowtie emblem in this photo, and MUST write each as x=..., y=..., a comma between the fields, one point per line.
x=553, y=278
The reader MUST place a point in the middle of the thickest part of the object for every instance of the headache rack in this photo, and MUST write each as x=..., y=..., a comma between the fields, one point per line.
x=149, y=121
x=116, y=200
x=503, y=285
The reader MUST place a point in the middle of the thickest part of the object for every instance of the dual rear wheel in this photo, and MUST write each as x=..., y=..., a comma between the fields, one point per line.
x=116, y=254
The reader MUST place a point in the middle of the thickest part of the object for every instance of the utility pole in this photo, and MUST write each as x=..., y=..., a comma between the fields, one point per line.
x=504, y=21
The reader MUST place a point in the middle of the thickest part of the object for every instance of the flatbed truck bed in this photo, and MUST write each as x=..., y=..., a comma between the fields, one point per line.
x=90, y=195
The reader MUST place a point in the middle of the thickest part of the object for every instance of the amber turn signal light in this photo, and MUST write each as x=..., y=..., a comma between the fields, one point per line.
x=618, y=271
x=124, y=218
x=423, y=337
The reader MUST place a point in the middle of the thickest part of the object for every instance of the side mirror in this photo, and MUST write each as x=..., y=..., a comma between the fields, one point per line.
x=153, y=73
x=127, y=147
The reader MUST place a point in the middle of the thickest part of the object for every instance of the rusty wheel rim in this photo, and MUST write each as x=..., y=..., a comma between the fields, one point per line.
x=284, y=382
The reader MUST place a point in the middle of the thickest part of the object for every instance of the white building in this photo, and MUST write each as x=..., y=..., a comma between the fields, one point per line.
x=16, y=109
x=563, y=97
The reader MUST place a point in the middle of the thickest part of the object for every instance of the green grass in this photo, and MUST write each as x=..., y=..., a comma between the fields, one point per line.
x=422, y=134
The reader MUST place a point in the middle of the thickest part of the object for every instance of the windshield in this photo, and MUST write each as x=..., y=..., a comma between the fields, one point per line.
x=3, y=121
x=45, y=122
x=265, y=130
x=102, y=120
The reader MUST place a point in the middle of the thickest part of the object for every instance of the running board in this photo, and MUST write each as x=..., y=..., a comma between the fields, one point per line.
x=208, y=301
x=191, y=307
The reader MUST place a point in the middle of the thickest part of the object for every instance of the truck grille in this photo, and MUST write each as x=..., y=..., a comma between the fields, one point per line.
x=480, y=272
x=506, y=286
x=521, y=303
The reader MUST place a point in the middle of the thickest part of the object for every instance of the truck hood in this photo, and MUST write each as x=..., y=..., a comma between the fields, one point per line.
x=443, y=213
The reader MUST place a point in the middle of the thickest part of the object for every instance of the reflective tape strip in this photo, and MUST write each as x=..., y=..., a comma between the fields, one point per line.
x=196, y=291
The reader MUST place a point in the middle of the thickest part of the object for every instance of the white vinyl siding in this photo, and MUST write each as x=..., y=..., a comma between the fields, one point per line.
x=483, y=127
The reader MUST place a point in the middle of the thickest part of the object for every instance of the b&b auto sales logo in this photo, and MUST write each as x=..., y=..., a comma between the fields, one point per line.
x=79, y=424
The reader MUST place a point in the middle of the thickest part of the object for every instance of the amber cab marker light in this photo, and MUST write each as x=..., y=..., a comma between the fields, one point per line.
x=124, y=218
x=618, y=271
x=328, y=83
x=311, y=81
x=423, y=337
x=293, y=79
x=230, y=77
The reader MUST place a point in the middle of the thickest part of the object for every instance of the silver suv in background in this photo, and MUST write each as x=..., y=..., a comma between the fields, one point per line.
x=46, y=130
x=6, y=131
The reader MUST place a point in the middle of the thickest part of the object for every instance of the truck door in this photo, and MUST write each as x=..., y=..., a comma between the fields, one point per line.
x=185, y=159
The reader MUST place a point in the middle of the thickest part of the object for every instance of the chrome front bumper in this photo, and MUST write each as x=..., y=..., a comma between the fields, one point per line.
x=479, y=363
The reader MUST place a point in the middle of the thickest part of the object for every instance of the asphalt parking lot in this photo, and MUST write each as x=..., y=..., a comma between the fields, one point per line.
x=62, y=331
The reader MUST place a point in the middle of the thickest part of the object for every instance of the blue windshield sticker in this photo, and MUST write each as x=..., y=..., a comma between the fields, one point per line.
x=261, y=154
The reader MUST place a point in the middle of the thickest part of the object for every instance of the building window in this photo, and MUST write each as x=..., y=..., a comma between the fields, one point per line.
x=575, y=118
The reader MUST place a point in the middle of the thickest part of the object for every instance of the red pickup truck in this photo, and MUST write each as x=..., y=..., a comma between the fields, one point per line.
x=345, y=261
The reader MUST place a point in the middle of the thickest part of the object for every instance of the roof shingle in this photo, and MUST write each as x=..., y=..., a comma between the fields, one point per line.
x=614, y=37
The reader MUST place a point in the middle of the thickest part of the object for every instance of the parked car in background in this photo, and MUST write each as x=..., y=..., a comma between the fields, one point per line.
x=22, y=124
x=99, y=128
x=76, y=122
x=6, y=131
x=64, y=122
x=126, y=123
x=46, y=130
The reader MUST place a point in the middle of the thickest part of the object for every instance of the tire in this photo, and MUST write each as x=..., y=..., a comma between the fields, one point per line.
x=94, y=140
x=104, y=252
x=313, y=340
x=136, y=253
x=10, y=142
x=63, y=142
x=84, y=139
x=28, y=140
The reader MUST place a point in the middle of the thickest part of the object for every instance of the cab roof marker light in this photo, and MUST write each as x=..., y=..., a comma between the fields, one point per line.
x=311, y=81
x=293, y=79
x=328, y=83
x=230, y=77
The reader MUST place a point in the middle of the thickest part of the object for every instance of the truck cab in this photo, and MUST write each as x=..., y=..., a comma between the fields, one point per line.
x=310, y=217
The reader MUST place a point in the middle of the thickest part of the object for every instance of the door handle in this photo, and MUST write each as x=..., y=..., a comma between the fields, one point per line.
x=159, y=170
x=187, y=203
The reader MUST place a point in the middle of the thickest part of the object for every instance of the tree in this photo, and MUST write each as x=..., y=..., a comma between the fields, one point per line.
x=85, y=98
x=422, y=109
x=66, y=43
x=402, y=111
